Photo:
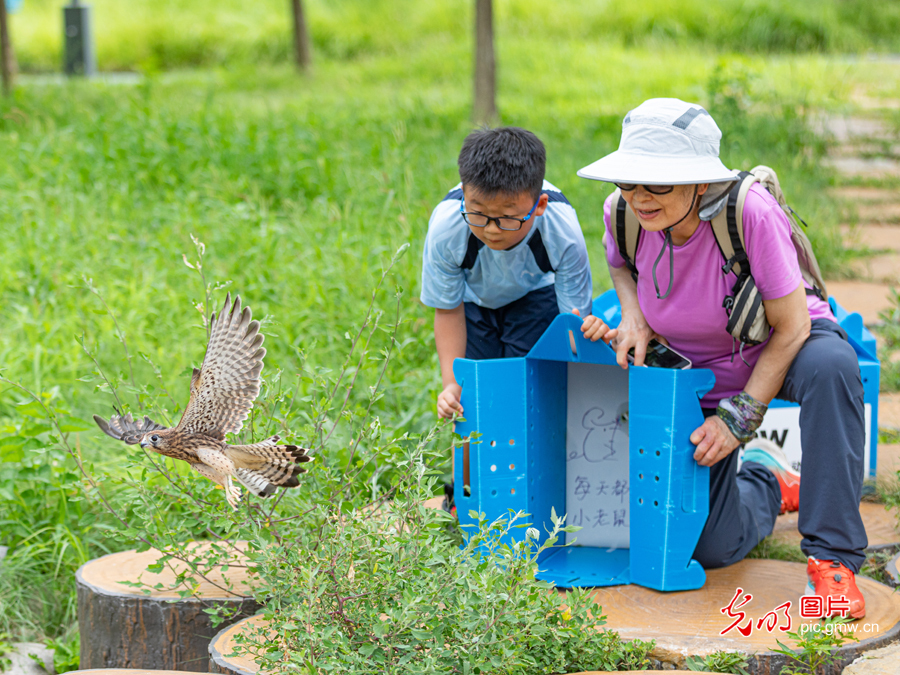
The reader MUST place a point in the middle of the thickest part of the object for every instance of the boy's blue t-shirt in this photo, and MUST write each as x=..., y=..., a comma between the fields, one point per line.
x=500, y=277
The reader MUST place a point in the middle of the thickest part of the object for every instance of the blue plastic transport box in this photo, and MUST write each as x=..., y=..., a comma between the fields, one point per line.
x=608, y=448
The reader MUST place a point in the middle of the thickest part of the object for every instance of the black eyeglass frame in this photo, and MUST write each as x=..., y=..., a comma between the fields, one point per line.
x=496, y=219
x=652, y=189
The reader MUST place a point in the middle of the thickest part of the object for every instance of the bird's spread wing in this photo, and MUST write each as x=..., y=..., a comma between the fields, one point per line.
x=125, y=428
x=223, y=390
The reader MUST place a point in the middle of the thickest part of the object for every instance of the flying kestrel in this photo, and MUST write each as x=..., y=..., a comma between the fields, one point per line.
x=222, y=393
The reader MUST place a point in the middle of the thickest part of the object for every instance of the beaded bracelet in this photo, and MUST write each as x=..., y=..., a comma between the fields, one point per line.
x=742, y=415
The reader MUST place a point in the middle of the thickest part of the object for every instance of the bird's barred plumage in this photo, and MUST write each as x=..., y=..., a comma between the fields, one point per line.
x=222, y=394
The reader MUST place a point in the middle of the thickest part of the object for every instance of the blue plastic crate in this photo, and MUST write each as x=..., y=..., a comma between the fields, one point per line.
x=520, y=407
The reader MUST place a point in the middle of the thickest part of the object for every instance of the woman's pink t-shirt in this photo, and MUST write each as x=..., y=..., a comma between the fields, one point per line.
x=692, y=317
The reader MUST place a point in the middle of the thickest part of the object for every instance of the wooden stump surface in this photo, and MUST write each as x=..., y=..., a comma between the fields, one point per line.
x=224, y=643
x=105, y=574
x=124, y=671
x=882, y=527
x=689, y=623
x=121, y=626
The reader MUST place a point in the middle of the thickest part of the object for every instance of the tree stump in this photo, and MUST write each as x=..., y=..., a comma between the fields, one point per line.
x=123, y=671
x=690, y=623
x=152, y=627
x=224, y=643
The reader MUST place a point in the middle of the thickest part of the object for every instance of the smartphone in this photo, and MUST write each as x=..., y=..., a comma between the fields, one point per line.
x=661, y=356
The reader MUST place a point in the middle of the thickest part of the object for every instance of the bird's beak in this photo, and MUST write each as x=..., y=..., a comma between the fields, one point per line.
x=144, y=445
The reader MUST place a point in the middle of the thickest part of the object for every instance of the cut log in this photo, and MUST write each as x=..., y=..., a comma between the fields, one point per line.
x=152, y=627
x=124, y=671
x=882, y=527
x=224, y=644
x=690, y=623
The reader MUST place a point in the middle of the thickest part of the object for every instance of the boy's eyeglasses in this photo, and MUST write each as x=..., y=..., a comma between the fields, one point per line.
x=507, y=223
x=652, y=189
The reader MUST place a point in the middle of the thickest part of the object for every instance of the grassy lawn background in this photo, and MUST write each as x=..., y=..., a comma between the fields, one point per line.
x=302, y=188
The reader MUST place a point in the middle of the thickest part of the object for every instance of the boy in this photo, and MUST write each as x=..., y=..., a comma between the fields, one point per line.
x=503, y=256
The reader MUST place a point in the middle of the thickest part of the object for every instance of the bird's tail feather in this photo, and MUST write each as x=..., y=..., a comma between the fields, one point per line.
x=263, y=466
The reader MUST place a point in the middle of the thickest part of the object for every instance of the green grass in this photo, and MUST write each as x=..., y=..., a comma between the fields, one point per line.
x=301, y=190
x=151, y=35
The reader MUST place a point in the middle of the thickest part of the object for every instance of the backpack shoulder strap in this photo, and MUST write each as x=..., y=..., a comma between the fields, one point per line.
x=728, y=227
x=628, y=231
x=541, y=257
x=473, y=246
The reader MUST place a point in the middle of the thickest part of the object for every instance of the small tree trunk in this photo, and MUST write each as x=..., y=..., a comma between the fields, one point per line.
x=301, y=36
x=121, y=627
x=485, y=103
x=7, y=57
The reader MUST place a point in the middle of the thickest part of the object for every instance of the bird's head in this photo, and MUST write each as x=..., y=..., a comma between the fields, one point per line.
x=155, y=440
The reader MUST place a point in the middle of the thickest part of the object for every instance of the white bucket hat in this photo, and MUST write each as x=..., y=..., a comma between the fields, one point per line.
x=666, y=141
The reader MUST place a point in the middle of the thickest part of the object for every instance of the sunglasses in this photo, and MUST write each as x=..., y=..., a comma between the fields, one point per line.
x=652, y=189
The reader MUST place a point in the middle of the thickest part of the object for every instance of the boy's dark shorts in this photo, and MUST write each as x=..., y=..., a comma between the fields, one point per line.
x=511, y=330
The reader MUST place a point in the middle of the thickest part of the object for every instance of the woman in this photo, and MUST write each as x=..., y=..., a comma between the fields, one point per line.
x=668, y=171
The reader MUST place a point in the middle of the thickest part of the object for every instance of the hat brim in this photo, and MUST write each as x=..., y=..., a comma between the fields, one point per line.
x=630, y=167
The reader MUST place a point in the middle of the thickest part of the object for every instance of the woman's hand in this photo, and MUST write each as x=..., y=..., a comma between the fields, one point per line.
x=633, y=331
x=714, y=441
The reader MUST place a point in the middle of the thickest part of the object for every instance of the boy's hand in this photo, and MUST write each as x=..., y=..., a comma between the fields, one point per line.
x=448, y=401
x=594, y=328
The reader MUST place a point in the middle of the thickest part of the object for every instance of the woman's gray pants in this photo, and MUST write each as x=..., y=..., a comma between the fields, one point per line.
x=824, y=379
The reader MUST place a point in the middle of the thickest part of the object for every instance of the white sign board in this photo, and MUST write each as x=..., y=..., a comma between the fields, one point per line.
x=782, y=427
x=597, y=455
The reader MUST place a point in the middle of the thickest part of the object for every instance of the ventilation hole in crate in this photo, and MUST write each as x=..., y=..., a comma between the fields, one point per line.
x=572, y=344
x=512, y=467
x=657, y=479
x=512, y=491
x=657, y=452
x=640, y=451
x=640, y=500
x=493, y=467
x=641, y=476
x=493, y=493
x=512, y=441
x=494, y=445
x=655, y=503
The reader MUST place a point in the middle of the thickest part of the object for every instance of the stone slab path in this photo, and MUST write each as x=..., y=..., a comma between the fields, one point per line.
x=866, y=149
x=884, y=661
x=889, y=410
x=23, y=664
x=882, y=527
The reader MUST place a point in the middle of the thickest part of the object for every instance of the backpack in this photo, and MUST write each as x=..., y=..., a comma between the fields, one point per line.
x=746, y=314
